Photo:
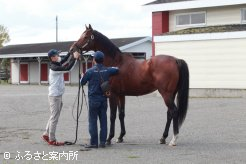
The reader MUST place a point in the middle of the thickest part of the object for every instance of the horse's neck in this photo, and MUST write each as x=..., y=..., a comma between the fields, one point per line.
x=115, y=61
x=104, y=44
x=112, y=53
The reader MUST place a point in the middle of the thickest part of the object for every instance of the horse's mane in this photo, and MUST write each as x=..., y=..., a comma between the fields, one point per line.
x=110, y=47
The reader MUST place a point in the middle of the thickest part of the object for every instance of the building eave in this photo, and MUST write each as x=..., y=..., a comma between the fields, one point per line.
x=192, y=5
x=27, y=55
x=122, y=48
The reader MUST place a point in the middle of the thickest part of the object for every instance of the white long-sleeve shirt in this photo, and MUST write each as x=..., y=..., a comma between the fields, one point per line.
x=56, y=78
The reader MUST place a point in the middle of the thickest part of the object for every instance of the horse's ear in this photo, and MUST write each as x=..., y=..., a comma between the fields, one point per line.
x=86, y=27
x=90, y=27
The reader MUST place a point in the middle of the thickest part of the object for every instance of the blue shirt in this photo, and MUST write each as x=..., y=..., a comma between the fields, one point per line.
x=93, y=77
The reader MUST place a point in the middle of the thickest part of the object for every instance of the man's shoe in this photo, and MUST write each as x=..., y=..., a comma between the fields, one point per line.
x=55, y=143
x=102, y=146
x=45, y=138
x=90, y=146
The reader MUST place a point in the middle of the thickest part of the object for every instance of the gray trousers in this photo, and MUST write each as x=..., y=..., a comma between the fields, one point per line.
x=55, y=111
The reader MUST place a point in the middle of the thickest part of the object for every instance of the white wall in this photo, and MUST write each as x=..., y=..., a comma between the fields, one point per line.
x=212, y=63
x=14, y=73
x=74, y=74
x=224, y=15
x=215, y=16
x=33, y=73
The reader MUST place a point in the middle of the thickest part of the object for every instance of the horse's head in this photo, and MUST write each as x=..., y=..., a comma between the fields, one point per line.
x=85, y=42
x=92, y=40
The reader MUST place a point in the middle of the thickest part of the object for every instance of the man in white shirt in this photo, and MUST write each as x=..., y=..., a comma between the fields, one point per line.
x=58, y=67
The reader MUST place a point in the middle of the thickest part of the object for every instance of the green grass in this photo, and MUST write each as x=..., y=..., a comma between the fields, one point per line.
x=3, y=82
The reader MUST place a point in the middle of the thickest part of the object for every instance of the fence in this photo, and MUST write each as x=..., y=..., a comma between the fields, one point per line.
x=4, y=74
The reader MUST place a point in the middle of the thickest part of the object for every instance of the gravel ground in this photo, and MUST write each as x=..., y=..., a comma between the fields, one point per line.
x=213, y=132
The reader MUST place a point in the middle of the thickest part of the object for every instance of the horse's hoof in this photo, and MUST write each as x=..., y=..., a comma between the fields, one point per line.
x=162, y=141
x=172, y=144
x=119, y=140
x=173, y=141
x=108, y=142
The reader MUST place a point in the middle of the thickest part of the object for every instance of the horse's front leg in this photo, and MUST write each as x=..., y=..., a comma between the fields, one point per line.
x=121, y=107
x=113, y=109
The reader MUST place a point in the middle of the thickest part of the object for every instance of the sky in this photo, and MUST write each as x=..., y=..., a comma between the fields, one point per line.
x=34, y=21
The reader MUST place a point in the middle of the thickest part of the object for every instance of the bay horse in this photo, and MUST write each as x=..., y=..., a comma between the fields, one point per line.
x=167, y=74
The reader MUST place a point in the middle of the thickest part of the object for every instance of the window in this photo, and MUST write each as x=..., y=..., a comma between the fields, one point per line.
x=243, y=13
x=191, y=19
x=183, y=19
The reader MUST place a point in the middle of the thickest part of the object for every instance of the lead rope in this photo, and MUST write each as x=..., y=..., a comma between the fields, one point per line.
x=79, y=109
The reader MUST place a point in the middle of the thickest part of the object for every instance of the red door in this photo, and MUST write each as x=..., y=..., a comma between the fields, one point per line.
x=66, y=77
x=89, y=65
x=44, y=72
x=83, y=68
x=24, y=72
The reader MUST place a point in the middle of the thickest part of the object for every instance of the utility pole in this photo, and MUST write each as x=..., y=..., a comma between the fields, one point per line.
x=56, y=28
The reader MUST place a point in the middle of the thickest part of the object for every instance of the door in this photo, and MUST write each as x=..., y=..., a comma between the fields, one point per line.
x=44, y=72
x=66, y=77
x=24, y=73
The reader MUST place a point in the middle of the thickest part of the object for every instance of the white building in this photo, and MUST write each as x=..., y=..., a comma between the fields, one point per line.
x=210, y=35
x=29, y=62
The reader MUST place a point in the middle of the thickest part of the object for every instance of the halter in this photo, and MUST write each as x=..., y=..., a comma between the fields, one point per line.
x=80, y=48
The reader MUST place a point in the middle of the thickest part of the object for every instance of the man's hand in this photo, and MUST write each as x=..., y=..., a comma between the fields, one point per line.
x=81, y=76
x=76, y=55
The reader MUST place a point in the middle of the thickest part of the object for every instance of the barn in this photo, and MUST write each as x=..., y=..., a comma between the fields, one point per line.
x=209, y=35
x=29, y=62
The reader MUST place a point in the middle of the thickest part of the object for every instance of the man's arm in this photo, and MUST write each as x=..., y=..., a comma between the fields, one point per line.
x=67, y=58
x=68, y=65
x=113, y=70
x=62, y=68
x=86, y=77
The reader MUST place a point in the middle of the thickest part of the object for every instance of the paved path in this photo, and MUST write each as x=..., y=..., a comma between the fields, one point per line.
x=214, y=130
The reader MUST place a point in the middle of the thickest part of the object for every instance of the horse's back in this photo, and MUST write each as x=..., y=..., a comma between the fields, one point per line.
x=138, y=77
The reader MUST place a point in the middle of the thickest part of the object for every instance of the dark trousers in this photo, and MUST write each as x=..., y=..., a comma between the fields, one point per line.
x=98, y=109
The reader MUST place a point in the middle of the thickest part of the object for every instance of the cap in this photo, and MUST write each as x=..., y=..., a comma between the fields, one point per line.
x=98, y=55
x=53, y=52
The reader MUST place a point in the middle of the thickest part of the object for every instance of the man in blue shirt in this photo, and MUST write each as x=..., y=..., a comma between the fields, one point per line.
x=97, y=100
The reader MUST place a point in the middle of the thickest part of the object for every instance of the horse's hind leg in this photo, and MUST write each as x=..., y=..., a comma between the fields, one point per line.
x=121, y=107
x=172, y=113
x=113, y=109
x=173, y=142
x=165, y=134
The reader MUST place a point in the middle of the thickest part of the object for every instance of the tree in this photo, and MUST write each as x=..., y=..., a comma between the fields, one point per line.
x=4, y=36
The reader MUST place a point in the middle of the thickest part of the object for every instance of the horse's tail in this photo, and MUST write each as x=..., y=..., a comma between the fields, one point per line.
x=183, y=91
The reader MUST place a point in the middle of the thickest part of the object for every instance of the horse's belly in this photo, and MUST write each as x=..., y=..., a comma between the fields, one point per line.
x=138, y=92
x=135, y=90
